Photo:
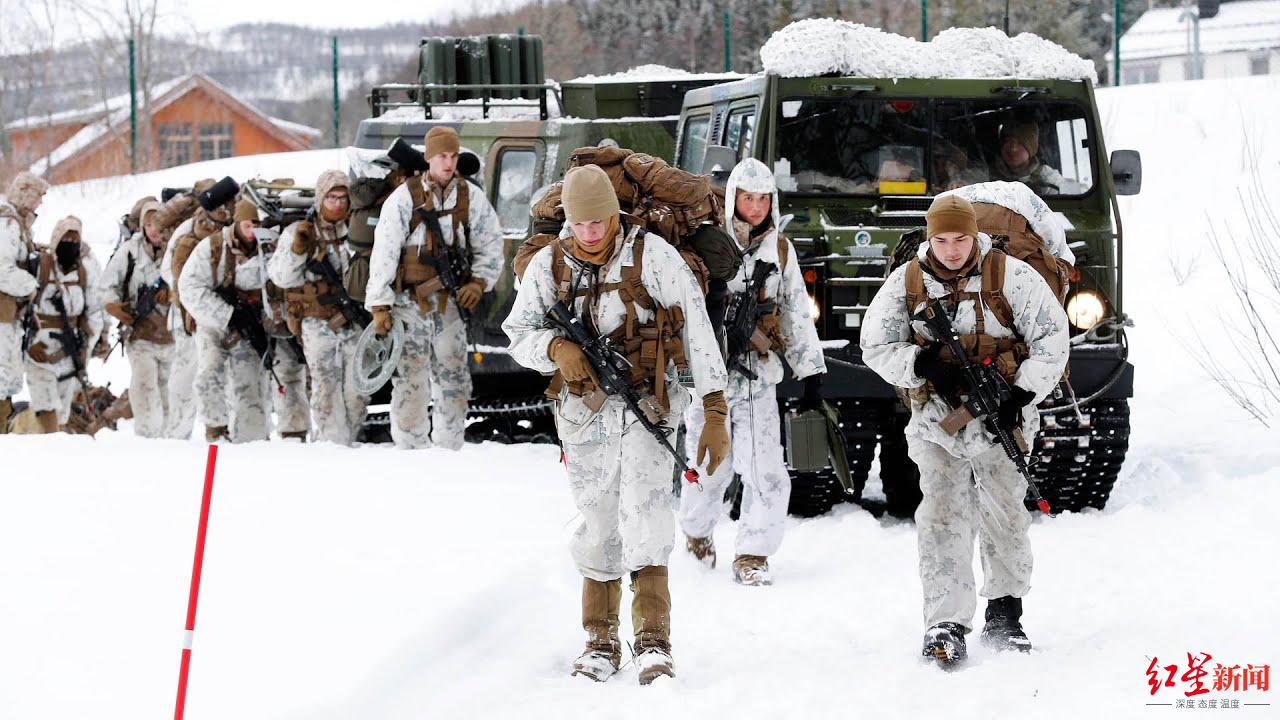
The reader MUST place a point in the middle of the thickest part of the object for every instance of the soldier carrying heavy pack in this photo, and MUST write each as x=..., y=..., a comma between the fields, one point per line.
x=635, y=289
x=137, y=296
x=66, y=323
x=782, y=327
x=437, y=249
x=312, y=301
x=221, y=287
x=1009, y=320
x=17, y=282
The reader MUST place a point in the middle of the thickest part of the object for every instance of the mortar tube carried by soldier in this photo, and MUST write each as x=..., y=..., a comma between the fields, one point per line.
x=610, y=374
x=986, y=391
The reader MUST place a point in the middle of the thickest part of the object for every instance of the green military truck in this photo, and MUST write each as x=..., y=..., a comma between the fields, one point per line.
x=523, y=129
x=857, y=161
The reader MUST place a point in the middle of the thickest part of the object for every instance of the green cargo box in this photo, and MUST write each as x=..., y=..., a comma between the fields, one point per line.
x=532, y=72
x=437, y=65
x=472, y=63
x=504, y=63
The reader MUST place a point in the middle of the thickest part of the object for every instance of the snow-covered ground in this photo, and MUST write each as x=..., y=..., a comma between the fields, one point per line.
x=372, y=583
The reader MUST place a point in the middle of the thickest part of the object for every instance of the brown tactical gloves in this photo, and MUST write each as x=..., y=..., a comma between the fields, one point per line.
x=713, y=444
x=304, y=239
x=469, y=294
x=381, y=319
x=162, y=296
x=117, y=311
x=568, y=356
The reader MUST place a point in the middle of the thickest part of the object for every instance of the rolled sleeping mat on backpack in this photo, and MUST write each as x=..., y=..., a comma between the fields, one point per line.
x=407, y=157
x=468, y=163
x=170, y=193
x=222, y=192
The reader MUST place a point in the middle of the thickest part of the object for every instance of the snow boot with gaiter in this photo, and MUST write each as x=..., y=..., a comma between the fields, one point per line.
x=944, y=642
x=1003, y=629
x=751, y=570
x=702, y=549
x=600, y=605
x=651, y=617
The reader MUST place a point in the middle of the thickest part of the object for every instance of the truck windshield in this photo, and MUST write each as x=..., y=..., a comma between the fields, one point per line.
x=877, y=146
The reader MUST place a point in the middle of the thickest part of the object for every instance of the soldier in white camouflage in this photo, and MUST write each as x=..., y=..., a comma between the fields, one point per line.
x=186, y=224
x=134, y=271
x=17, y=281
x=230, y=375
x=619, y=473
x=403, y=283
x=66, y=276
x=1007, y=315
x=328, y=339
x=784, y=329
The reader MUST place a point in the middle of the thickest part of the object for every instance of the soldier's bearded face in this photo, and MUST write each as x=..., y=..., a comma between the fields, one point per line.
x=952, y=248
x=752, y=207
x=589, y=234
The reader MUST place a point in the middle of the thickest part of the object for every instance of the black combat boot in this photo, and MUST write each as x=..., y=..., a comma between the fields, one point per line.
x=944, y=642
x=1003, y=630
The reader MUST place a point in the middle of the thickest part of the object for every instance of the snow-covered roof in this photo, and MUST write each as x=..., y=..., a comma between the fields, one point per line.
x=164, y=94
x=654, y=73
x=820, y=46
x=89, y=114
x=1238, y=26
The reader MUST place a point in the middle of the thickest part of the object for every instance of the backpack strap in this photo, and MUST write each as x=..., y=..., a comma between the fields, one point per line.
x=420, y=199
x=993, y=288
x=782, y=253
x=914, y=282
x=462, y=213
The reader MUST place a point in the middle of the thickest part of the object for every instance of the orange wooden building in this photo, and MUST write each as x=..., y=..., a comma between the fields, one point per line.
x=192, y=119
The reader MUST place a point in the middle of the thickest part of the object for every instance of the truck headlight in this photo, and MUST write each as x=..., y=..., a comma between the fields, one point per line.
x=1085, y=308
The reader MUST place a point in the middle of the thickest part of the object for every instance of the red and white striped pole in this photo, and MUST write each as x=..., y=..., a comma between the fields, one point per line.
x=195, y=583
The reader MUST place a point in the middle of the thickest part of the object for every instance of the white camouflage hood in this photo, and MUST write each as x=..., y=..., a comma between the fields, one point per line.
x=753, y=176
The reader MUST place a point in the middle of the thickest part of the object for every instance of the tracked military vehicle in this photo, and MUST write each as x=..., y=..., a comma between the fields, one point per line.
x=858, y=161
x=491, y=89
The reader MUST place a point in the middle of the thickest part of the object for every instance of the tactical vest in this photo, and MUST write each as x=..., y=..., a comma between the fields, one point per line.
x=1010, y=233
x=39, y=351
x=647, y=346
x=11, y=307
x=768, y=336
x=201, y=228
x=154, y=327
x=314, y=298
x=1007, y=352
x=415, y=272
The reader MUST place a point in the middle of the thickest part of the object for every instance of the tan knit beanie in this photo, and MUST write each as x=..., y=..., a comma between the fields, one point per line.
x=951, y=213
x=26, y=189
x=440, y=139
x=588, y=195
x=245, y=210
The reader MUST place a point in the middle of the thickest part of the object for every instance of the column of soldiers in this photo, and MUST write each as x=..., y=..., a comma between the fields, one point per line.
x=196, y=277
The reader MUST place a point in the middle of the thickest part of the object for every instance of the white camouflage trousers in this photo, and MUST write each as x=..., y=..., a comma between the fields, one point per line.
x=182, y=377
x=149, y=377
x=756, y=456
x=231, y=387
x=432, y=371
x=50, y=393
x=293, y=414
x=620, y=479
x=339, y=410
x=964, y=499
x=11, y=364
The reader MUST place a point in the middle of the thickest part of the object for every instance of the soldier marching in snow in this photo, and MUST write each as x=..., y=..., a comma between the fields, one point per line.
x=17, y=281
x=135, y=294
x=425, y=220
x=67, y=321
x=1005, y=311
x=635, y=288
x=328, y=338
x=221, y=287
x=783, y=328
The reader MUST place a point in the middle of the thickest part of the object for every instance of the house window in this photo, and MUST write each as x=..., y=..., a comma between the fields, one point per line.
x=1260, y=65
x=215, y=141
x=175, y=144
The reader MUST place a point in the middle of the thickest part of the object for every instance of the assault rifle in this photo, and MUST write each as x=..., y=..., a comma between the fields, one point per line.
x=246, y=319
x=145, y=304
x=987, y=390
x=611, y=371
x=29, y=315
x=353, y=311
x=72, y=345
x=745, y=308
x=453, y=267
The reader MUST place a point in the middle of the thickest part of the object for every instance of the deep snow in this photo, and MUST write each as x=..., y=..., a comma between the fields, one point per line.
x=373, y=583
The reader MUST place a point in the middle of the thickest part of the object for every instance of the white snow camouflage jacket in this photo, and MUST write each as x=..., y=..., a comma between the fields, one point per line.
x=14, y=251
x=197, y=283
x=667, y=278
x=87, y=303
x=887, y=346
x=288, y=269
x=392, y=236
x=146, y=271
